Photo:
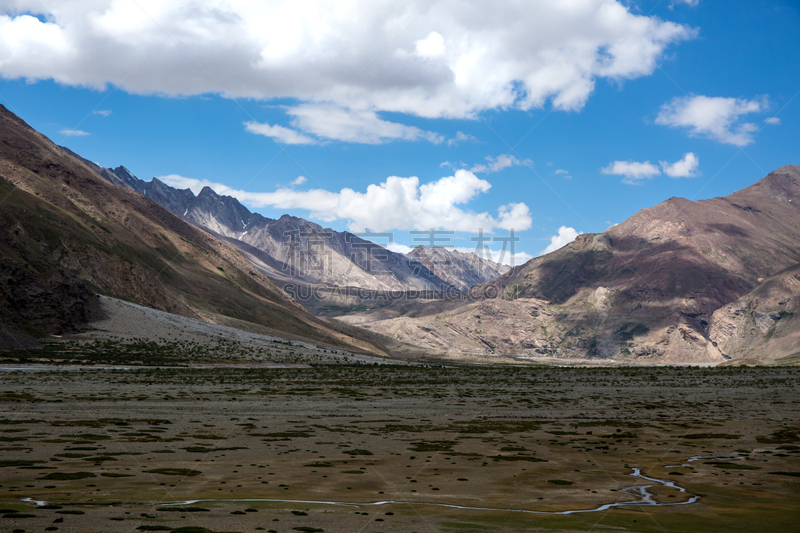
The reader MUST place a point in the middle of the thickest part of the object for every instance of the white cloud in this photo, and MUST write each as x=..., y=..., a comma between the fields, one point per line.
x=713, y=117
x=431, y=46
x=774, y=121
x=515, y=259
x=514, y=216
x=102, y=112
x=632, y=171
x=449, y=59
x=397, y=247
x=690, y=3
x=397, y=203
x=460, y=138
x=278, y=133
x=564, y=237
x=182, y=182
x=565, y=173
x=299, y=180
x=685, y=168
x=72, y=133
x=496, y=164
x=352, y=125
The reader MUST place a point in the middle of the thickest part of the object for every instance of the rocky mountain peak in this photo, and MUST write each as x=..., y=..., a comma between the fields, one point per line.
x=462, y=270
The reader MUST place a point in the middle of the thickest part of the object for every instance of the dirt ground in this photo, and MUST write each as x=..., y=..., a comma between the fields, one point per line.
x=368, y=448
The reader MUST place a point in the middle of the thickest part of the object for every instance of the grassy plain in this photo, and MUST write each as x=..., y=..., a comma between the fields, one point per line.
x=158, y=449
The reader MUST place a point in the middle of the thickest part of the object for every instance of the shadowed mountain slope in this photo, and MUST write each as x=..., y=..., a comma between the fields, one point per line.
x=66, y=233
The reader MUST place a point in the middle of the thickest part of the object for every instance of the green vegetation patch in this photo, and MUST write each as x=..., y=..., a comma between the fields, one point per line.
x=87, y=437
x=16, y=462
x=175, y=471
x=781, y=436
x=203, y=449
x=67, y=476
x=793, y=474
x=285, y=434
x=357, y=452
x=731, y=466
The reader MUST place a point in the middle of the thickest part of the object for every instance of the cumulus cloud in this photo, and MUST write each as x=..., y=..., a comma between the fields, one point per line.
x=72, y=133
x=496, y=164
x=632, y=172
x=299, y=180
x=449, y=59
x=564, y=237
x=102, y=112
x=684, y=168
x=564, y=173
x=774, y=121
x=713, y=117
x=397, y=203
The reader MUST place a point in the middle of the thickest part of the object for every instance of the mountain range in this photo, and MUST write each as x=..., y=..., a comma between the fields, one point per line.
x=683, y=281
x=709, y=281
x=300, y=251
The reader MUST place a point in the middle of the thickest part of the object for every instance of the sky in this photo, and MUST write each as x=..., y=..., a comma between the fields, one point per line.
x=545, y=119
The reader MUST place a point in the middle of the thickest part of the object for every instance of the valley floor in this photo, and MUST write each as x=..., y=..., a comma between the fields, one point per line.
x=400, y=448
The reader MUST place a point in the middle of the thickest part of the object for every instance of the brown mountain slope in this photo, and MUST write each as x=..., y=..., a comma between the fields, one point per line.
x=66, y=230
x=764, y=324
x=643, y=290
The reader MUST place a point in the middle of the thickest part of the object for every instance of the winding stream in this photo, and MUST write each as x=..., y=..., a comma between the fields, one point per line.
x=640, y=492
x=644, y=497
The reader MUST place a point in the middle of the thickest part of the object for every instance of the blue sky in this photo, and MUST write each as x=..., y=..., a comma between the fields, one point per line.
x=551, y=118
